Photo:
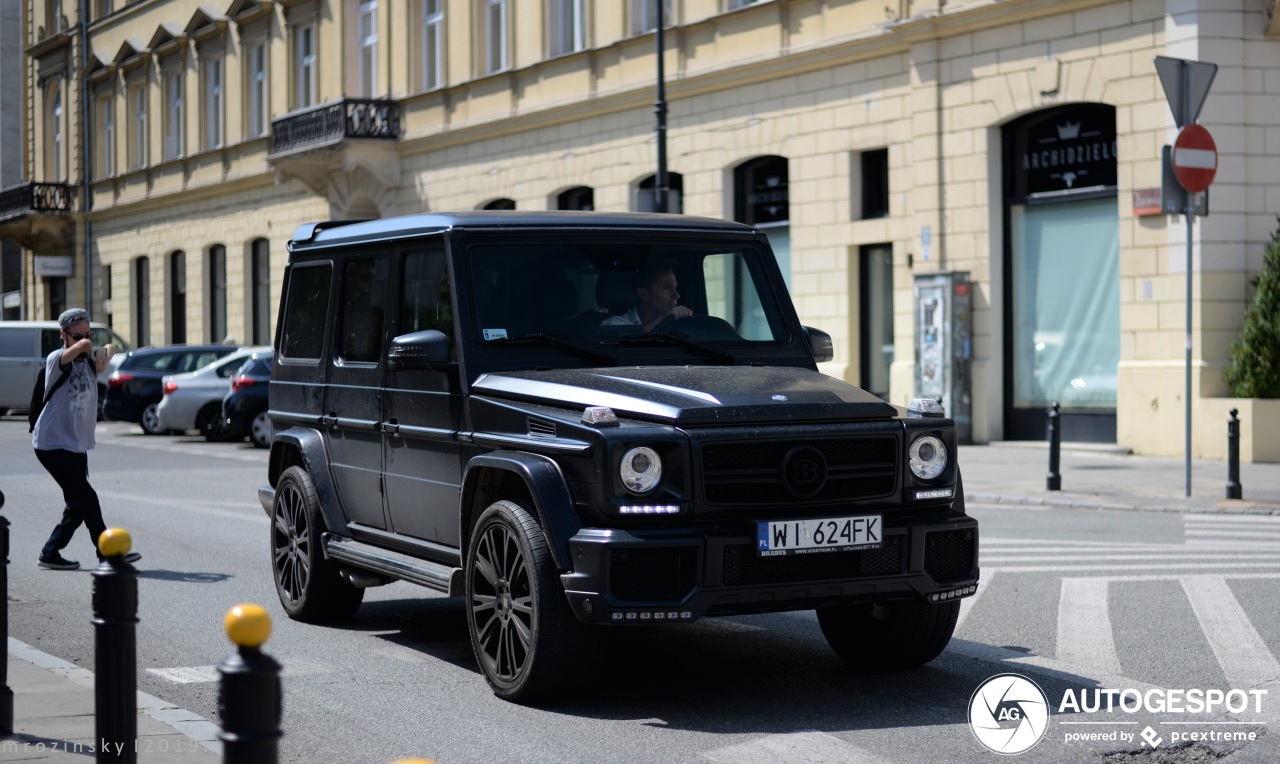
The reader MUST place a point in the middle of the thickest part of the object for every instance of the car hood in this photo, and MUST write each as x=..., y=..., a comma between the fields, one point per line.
x=694, y=394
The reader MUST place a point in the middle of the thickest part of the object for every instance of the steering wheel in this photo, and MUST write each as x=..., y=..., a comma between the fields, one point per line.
x=699, y=327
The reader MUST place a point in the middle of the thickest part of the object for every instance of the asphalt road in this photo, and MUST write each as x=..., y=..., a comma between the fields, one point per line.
x=1077, y=601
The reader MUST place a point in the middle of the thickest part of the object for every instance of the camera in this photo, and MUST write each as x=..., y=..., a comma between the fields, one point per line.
x=99, y=353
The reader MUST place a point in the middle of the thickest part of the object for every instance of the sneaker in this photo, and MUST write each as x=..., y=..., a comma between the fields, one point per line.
x=57, y=562
x=130, y=557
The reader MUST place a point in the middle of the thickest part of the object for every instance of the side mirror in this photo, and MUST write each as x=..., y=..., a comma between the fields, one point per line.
x=418, y=351
x=820, y=344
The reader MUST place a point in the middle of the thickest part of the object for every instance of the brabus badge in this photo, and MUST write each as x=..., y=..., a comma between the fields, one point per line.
x=779, y=397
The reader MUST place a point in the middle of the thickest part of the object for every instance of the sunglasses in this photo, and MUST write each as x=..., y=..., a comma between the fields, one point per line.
x=78, y=337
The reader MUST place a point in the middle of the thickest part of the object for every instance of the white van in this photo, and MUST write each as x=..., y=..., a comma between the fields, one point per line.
x=23, y=347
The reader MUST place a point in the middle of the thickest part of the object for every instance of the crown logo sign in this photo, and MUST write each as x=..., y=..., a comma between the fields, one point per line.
x=1068, y=131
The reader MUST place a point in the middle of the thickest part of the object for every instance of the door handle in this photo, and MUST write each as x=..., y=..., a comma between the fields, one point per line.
x=391, y=427
x=328, y=420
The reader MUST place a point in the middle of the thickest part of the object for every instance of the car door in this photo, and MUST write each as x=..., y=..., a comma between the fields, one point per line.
x=352, y=402
x=422, y=409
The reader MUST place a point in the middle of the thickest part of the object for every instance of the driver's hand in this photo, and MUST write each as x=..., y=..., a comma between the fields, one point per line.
x=681, y=311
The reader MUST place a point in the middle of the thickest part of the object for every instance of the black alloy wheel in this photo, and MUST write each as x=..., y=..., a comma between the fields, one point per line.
x=309, y=586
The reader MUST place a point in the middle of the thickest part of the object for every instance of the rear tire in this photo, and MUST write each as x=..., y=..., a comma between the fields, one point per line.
x=260, y=430
x=523, y=633
x=150, y=419
x=209, y=423
x=309, y=586
x=890, y=635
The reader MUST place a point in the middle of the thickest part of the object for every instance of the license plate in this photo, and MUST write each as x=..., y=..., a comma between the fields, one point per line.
x=833, y=534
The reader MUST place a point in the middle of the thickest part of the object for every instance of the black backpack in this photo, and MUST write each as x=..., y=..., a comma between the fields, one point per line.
x=39, y=399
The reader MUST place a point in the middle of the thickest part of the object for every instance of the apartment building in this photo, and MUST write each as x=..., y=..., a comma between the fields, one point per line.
x=173, y=146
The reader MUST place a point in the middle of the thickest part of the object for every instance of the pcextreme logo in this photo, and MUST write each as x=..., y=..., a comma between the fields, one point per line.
x=1008, y=714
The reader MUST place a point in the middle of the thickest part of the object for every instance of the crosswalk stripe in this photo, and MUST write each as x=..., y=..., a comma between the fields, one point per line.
x=1240, y=650
x=794, y=748
x=1233, y=519
x=1084, y=626
x=1105, y=568
x=1239, y=533
x=1090, y=557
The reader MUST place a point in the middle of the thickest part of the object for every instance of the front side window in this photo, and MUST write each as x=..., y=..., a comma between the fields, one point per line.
x=304, y=52
x=213, y=103
x=368, y=42
x=425, y=297
x=362, y=311
x=256, y=90
x=495, y=35
x=567, y=26
x=432, y=44
x=306, y=305
x=173, y=115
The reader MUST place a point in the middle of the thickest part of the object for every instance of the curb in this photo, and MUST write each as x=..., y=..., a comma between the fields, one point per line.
x=186, y=723
x=1067, y=503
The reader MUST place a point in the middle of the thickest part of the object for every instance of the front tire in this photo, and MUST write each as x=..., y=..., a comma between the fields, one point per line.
x=209, y=423
x=522, y=631
x=890, y=635
x=260, y=430
x=150, y=419
x=309, y=586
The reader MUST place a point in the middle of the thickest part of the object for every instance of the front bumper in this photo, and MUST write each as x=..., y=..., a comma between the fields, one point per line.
x=625, y=577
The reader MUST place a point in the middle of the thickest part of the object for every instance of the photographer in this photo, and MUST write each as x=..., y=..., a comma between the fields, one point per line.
x=64, y=433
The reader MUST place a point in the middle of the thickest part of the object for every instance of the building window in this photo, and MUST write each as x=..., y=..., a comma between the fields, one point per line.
x=644, y=15
x=107, y=136
x=142, y=301
x=104, y=8
x=178, y=297
x=762, y=198
x=495, y=36
x=304, y=53
x=567, y=26
x=53, y=161
x=735, y=4
x=875, y=184
x=368, y=42
x=173, y=115
x=646, y=199
x=261, y=280
x=106, y=295
x=138, y=127
x=213, y=103
x=217, y=293
x=875, y=303
x=579, y=198
x=257, y=90
x=499, y=204
x=432, y=44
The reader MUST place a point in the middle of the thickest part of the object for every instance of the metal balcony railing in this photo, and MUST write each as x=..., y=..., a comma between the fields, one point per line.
x=36, y=197
x=329, y=123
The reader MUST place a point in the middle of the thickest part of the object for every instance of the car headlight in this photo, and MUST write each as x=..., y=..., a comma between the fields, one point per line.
x=641, y=469
x=928, y=457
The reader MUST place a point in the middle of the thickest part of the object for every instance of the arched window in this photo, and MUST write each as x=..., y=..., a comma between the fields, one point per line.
x=142, y=301
x=178, y=297
x=577, y=198
x=217, y=293
x=761, y=198
x=260, y=279
x=499, y=204
x=645, y=198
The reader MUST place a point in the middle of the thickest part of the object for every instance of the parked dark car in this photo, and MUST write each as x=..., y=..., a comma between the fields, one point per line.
x=475, y=403
x=134, y=390
x=244, y=409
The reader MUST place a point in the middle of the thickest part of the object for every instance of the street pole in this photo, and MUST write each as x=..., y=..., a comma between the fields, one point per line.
x=1188, y=214
x=660, y=112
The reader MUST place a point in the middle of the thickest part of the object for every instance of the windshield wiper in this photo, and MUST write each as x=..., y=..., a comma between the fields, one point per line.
x=678, y=339
x=555, y=340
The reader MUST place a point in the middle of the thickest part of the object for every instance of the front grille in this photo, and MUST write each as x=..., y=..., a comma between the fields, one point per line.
x=664, y=573
x=948, y=554
x=743, y=567
x=754, y=473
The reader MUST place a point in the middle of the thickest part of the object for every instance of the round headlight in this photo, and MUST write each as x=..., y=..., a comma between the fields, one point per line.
x=641, y=469
x=928, y=457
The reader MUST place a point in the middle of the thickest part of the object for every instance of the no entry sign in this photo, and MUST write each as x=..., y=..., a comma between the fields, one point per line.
x=1195, y=158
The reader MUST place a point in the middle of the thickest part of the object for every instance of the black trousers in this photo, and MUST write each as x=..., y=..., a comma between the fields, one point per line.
x=71, y=471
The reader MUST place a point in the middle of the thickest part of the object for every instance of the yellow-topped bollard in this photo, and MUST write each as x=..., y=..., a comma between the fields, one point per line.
x=248, y=625
x=115, y=542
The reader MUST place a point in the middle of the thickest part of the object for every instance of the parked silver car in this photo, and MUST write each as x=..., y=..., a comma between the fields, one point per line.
x=193, y=401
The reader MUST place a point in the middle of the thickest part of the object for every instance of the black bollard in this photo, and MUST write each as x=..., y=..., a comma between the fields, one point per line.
x=1054, y=479
x=6, y=694
x=249, y=694
x=1234, y=489
x=115, y=685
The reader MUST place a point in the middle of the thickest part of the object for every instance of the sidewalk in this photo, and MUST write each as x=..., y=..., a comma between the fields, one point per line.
x=53, y=699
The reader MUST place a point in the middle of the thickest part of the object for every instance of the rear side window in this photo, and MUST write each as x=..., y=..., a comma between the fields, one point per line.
x=306, y=312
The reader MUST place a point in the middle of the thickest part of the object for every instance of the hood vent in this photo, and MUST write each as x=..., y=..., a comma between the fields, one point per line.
x=541, y=428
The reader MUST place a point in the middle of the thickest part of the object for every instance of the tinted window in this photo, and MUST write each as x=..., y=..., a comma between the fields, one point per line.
x=306, y=309
x=425, y=300
x=50, y=340
x=362, y=311
x=17, y=343
x=153, y=361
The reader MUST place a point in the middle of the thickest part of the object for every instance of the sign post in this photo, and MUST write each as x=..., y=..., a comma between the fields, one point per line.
x=1186, y=85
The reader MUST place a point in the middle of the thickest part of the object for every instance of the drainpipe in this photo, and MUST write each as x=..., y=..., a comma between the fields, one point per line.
x=86, y=158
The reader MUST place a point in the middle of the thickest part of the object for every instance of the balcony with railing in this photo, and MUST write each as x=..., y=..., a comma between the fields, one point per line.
x=334, y=123
x=34, y=209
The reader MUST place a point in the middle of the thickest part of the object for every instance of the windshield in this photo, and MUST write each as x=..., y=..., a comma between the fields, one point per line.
x=605, y=293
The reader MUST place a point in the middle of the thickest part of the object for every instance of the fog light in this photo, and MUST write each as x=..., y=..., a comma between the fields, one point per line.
x=649, y=509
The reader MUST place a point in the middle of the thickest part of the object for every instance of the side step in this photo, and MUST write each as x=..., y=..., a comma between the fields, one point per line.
x=395, y=565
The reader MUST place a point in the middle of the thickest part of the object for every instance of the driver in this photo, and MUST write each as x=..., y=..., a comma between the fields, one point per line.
x=656, y=298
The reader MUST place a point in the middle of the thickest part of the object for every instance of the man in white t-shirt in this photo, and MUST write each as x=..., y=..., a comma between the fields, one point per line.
x=64, y=433
x=657, y=295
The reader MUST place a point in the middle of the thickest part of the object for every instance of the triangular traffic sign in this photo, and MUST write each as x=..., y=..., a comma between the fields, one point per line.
x=1198, y=80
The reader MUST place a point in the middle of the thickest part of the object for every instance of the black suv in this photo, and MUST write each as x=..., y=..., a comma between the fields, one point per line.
x=485, y=404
